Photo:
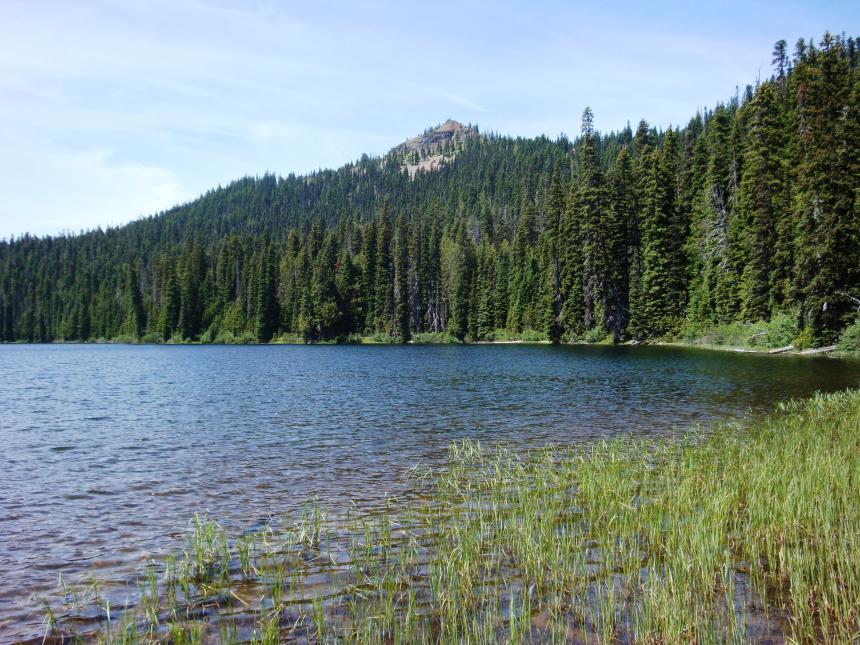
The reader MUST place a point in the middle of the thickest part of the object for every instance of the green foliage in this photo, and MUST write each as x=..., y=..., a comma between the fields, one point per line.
x=596, y=335
x=849, y=341
x=781, y=330
x=804, y=339
x=434, y=338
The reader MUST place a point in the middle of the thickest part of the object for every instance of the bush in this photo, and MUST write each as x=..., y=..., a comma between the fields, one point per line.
x=779, y=332
x=152, y=338
x=595, y=335
x=532, y=336
x=849, y=341
x=804, y=339
x=348, y=339
x=211, y=334
x=431, y=338
x=291, y=339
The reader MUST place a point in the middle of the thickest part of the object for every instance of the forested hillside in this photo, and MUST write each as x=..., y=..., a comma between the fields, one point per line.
x=749, y=210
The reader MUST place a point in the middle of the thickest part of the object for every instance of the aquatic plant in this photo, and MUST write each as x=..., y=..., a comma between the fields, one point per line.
x=728, y=534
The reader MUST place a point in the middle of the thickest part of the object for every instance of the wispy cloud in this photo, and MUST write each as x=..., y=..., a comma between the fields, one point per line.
x=124, y=108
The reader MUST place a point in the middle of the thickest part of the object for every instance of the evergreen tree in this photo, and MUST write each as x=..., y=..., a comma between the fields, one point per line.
x=384, y=297
x=191, y=309
x=591, y=204
x=266, y=310
x=136, y=312
x=826, y=203
x=368, y=277
x=462, y=288
x=573, y=308
x=327, y=315
x=617, y=233
x=171, y=298
x=401, y=281
x=552, y=288
x=761, y=200
x=662, y=239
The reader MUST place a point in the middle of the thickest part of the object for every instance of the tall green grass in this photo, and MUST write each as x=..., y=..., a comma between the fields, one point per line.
x=735, y=534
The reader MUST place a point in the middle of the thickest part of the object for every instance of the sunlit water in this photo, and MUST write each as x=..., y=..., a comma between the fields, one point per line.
x=108, y=450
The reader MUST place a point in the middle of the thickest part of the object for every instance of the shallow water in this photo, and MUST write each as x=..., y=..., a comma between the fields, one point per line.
x=108, y=450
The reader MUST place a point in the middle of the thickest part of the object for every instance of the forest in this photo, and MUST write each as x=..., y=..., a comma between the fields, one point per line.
x=748, y=211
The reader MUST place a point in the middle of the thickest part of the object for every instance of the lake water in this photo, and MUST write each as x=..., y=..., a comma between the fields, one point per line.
x=107, y=451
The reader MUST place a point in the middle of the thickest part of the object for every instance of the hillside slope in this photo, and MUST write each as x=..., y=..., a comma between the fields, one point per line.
x=750, y=210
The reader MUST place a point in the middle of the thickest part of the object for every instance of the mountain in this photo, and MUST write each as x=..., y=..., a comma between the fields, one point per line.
x=433, y=140
x=747, y=213
x=436, y=146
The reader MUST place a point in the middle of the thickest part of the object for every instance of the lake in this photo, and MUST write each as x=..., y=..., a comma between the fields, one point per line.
x=108, y=450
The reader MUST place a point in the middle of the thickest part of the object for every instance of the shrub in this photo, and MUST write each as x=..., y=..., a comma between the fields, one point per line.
x=152, y=338
x=780, y=331
x=804, y=339
x=210, y=335
x=431, y=338
x=849, y=341
x=532, y=336
x=595, y=335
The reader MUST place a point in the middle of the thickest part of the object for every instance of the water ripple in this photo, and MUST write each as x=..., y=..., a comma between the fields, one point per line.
x=108, y=450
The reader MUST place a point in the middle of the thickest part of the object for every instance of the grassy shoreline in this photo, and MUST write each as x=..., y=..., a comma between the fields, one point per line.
x=758, y=337
x=735, y=534
x=657, y=342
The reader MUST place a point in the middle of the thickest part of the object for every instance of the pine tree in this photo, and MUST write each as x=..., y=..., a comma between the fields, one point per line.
x=552, y=241
x=368, y=276
x=485, y=292
x=662, y=239
x=134, y=304
x=591, y=202
x=617, y=234
x=191, y=309
x=523, y=286
x=384, y=297
x=433, y=273
x=501, y=284
x=826, y=203
x=84, y=321
x=401, y=280
x=326, y=307
x=171, y=299
x=573, y=308
x=462, y=288
x=760, y=201
x=267, y=314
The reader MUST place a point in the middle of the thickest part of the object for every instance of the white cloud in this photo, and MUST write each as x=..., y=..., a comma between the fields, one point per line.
x=113, y=110
x=81, y=190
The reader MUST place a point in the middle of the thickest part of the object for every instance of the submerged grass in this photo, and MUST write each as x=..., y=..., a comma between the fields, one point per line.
x=738, y=534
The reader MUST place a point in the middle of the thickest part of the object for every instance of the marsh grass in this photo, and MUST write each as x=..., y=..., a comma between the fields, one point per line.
x=737, y=534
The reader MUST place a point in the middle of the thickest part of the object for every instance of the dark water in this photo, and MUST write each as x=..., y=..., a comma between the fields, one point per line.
x=108, y=450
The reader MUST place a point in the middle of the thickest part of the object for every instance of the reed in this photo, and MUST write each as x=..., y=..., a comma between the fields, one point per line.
x=728, y=534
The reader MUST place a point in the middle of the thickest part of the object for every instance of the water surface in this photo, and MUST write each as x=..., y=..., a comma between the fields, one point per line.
x=108, y=450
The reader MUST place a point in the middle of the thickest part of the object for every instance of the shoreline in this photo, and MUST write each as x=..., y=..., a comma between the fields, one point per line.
x=829, y=352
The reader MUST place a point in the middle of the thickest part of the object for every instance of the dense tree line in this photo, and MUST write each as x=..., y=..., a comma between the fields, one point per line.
x=749, y=210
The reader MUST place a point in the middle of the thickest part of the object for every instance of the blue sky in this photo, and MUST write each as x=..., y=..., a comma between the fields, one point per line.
x=110, y=111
